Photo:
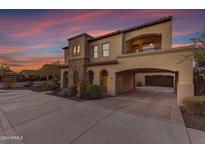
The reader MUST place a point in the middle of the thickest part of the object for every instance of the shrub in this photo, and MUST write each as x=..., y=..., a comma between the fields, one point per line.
x=82, y=92
x=139, y=84
x=196, y=104
x=71, y=91
x=50, y=85
x=29, y=84
x=94, y=92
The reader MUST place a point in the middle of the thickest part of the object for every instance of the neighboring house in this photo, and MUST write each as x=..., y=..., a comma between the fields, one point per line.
x=30, y=73
x=118, y=61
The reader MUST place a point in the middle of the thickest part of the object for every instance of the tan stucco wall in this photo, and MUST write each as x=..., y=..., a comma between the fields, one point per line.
x=125, y=82
x=165, y=29
x=118, y=42
x=115, y=47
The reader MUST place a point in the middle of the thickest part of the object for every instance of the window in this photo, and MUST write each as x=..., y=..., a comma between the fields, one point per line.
x=95, y=51
x=78, y=49
x=148, y=46
x=106, y=49
x=74, y=50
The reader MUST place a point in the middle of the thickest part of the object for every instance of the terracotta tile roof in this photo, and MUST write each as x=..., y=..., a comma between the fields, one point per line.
x=107, y=62
x=151, y=23
x=80, y=35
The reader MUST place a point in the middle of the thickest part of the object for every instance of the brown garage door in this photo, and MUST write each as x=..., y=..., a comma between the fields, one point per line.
x=159, y=80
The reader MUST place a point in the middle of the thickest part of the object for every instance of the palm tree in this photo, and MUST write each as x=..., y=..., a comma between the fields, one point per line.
x=50, y=70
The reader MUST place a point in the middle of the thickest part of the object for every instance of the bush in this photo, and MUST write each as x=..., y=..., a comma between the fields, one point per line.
x=139, y=84
x=50, y=85
x=93, y=92
x=29, y=84
x=82, y=92
x=195, y=104
x=71, y=91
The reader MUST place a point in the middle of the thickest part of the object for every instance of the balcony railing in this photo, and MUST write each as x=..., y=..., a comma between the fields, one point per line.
x=141, y=50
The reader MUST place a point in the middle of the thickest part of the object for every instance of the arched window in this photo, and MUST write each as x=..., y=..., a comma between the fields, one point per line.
x=65, y=79
x=90, y=77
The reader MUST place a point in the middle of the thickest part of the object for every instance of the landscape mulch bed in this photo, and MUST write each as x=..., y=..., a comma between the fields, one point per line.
x=75, y=98
x=36, y=88
x=193, y=121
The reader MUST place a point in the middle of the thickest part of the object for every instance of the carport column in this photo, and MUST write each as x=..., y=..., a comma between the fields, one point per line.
x=184, y=90
x=111, y=83
x=185, y=87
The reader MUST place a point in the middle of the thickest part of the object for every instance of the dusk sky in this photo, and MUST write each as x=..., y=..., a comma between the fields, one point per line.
x=31, y=38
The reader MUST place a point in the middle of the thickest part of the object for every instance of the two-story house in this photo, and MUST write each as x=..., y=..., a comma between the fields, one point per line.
x=119, y=60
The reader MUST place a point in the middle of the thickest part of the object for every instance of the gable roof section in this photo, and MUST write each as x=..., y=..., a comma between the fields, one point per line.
x=82, y=34
x=151, y=23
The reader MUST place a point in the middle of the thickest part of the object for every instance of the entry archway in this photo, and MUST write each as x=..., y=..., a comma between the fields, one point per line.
x=104, y=81
x=90, y=77
x=65, y=79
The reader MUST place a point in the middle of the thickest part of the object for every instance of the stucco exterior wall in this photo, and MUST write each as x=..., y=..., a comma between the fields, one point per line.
x=115, y=48
x=125, y=82
x=165, y=29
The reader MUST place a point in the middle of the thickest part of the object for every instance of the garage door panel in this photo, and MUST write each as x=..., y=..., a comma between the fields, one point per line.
x=159, y=80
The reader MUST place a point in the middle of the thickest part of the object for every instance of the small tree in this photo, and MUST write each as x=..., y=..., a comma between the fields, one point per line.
x=199, y=63
x=50, y=70
x=4, y=69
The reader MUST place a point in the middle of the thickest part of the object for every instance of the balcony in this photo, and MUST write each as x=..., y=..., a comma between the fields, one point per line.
x=145, y=43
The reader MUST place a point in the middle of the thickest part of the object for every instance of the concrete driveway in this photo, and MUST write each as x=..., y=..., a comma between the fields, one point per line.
x=145, y=116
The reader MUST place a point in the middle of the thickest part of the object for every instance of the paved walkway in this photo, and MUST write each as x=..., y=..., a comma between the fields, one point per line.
x=138, y=117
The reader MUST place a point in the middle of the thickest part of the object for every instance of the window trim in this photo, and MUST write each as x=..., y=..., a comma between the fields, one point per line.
x=108, y=49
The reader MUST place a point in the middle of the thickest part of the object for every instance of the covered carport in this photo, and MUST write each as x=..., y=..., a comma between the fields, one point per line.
x=177, y=62
x=129, y=80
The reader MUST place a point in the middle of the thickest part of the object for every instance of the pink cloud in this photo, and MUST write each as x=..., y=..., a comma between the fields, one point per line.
x=11, y=49
x=33, y=63
x=41, y=26
x=181, y=45
x=181, y=33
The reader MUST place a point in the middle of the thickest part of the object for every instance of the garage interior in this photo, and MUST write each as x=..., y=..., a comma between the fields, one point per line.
x=130, y=80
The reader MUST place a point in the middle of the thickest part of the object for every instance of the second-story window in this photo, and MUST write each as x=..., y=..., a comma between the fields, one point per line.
x=78, y=49
x=74, y=50
x=106, y=49
x=95, y=51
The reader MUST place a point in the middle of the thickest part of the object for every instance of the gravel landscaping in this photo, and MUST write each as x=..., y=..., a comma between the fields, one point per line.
x=193, y=121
